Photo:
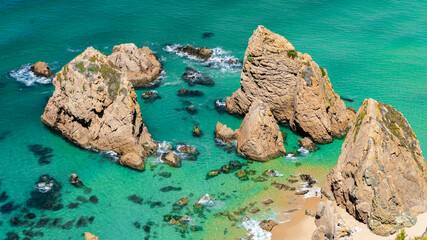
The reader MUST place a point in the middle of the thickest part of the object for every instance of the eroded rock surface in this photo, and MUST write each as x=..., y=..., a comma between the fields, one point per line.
x=329, y=223
x=224, y=133
x=94, y=106
x=380, y=177
x=41, y=69
x=140, y=65
x=259, y=137
x=296, y=89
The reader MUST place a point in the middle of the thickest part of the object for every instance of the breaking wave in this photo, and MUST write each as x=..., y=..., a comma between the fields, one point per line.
x=27, y=77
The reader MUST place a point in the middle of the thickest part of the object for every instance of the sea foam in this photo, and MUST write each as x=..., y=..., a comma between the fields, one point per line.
x=27, y=77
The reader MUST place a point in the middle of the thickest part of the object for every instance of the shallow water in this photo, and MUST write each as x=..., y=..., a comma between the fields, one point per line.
x=370, y=49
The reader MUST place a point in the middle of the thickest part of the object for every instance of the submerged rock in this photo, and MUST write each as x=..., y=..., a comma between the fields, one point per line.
x=140, y=65
x=46, y=194
x=193, y=77
x=298, y=91
x=381, y=174
x=329, y=223
x=189, y=93
x=94, y=106
x=208, y=35
x=259, y=137
x=41, y=69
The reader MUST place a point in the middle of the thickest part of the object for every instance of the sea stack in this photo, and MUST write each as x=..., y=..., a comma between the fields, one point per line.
x=298, y=91
x=380, y=177
x=94, y=106
x=41, y=69
x=259, y=137
x=140, y=65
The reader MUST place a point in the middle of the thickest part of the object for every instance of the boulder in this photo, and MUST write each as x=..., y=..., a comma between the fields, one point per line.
x=380, y=177
x=197, y=132
x=307, y=143
x=41, y=69
x=329, y=223
x=94, y=106
x=259, y=136
x=90, y=236
x=224, y=133
x=171, y=159
x=298, y=91
x=193, y=77
x=267, y=225
x=200, y=53
x=140, y=65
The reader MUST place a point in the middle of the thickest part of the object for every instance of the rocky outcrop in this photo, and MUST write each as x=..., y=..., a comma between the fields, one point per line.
x=94, y=106
x=329, y=224
x=224, y=133
x=193, y=77
x=171, y=159
x=259, y=137
x=307, y=143
x=267, y=225
x=41, y=69
x=381, y=176
x=90, y=236
x=296, y=89
x=199, y=53
x=140, y=65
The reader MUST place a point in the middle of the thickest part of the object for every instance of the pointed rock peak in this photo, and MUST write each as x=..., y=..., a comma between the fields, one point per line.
x=262, y=37
x=381, y=175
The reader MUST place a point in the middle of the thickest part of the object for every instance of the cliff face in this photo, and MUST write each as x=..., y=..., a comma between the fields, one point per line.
x=140, y=65
x=381, y=176
x=94, y=105
x=259, y=137
x=296, y=89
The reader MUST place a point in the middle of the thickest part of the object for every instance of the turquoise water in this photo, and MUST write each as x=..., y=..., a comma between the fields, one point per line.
x=370, y=49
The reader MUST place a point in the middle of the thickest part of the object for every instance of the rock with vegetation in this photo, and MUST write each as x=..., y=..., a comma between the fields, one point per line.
x=224, y=133
x=329, y=224
x=94, y=106
x=259, y=137
x=140, y=65
x=41, y=69
x=298, y=91
x=381, y=176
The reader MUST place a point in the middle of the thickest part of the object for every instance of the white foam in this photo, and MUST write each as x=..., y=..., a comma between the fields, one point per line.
x=219, y=59
x=312, y=192
x=27, y=77
x=303, y=151
x=220, y=103
x=206, y=201
x=44, y=187
x=110, y=155
x=291, y=156
x=252, y=227
x=73, y=50
x=164, y=147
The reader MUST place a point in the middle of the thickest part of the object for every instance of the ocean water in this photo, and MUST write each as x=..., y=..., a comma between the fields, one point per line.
x=371, y=49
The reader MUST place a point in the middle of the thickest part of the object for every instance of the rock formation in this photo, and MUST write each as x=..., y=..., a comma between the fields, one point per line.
x=171, y=159
x=296, y=89
x=329, y=223
x=199, y=53
x=381, y=176
x=140, y=65
x=90, y=236
x=41, y=69
x=224, y=133
x=307, y=143
x=94, y=106
x=259, y=137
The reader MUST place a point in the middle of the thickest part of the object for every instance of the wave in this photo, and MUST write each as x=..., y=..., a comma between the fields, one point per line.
x=303, y=151
x=27, y=77
x=253, y=229
x=206, y=201
x=220, y=58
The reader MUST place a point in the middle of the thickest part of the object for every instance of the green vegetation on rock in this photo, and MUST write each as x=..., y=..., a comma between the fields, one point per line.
x=292, y=54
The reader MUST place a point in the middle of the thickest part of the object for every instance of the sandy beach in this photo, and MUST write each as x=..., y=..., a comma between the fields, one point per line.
x=301, y=226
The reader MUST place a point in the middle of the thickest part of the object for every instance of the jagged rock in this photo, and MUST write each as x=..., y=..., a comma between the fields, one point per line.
x=189, y=93
x=307, y=143
x=140, y=65
x=151, y=96
x=94, y=106
x=224, y=133
x=199, y=53
x=329, y=223
x=296, y=89
x=41, y=69
x=381, y=176
x=90, y=236
x=259, y=137
x=192, y=77
x=197, y=132
x=171, y=159
x=267, y=225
